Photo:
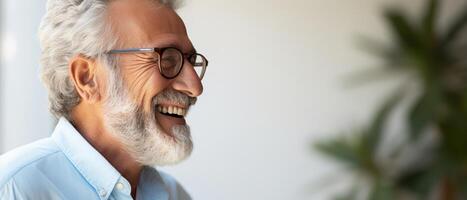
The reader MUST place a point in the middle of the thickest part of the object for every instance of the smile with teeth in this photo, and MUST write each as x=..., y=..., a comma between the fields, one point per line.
x=172, y=111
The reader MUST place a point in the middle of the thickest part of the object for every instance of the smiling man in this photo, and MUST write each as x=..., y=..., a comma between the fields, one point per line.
x=121, y=76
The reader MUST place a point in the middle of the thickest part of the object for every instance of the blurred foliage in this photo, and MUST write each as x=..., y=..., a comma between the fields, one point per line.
x=437, y=59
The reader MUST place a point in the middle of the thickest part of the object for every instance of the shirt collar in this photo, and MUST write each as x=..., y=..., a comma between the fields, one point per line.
x=89, y=162
x=151, y=185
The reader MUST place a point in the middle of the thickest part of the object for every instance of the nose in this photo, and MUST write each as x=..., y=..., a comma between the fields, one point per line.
x=188, y=81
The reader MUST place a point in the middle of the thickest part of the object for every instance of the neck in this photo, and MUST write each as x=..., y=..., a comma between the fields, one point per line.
x=92, y=129
x=124, y=164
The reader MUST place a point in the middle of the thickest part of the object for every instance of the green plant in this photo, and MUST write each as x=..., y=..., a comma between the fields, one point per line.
x=437, y=61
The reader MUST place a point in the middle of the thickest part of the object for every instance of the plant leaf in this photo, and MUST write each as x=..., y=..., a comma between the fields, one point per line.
x=406, y=36
x=371, y=75
x=376, y=129
x=455, y=28
x=341, y=150
x=419, y=181
x=387, y=53
x=430, y=16
x=424, y=111
x=382, y=191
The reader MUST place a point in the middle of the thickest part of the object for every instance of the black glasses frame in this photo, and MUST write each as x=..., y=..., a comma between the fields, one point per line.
x=160, y=51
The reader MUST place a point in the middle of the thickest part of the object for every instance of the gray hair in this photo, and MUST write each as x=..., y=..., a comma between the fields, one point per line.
x=70, y=28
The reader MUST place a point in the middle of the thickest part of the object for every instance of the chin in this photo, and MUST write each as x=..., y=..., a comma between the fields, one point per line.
x=145, y=140
x=159, y=148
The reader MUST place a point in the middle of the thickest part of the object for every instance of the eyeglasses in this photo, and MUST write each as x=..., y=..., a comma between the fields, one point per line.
x=170, y=60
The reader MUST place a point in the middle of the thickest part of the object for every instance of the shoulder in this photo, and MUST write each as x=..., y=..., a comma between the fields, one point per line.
x=19, y=159
x=176, y=190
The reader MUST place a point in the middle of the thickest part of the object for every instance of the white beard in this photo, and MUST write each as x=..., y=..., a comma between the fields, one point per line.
x=140, y=133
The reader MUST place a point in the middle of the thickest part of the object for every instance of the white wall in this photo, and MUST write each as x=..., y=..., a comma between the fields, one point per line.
x=23, y=100
x=275, y=84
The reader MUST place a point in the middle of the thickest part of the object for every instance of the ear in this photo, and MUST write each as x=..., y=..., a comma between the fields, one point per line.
x=83, y=73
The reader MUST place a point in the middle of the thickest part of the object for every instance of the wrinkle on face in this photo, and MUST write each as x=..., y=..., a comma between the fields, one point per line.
x=138, y=72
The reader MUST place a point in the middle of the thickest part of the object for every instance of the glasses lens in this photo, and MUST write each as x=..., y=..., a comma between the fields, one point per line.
x=199, y=63
x=171, y=62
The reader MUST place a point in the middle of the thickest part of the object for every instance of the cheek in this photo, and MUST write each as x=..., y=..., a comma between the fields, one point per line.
x=138, y=80
x=144, y=83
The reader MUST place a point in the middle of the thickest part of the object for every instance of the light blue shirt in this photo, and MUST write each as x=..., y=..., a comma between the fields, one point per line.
x=66, y=166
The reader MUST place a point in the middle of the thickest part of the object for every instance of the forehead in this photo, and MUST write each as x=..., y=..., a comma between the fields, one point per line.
x=147, y=23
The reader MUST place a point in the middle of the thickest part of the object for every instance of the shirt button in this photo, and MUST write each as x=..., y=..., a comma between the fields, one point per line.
x=120, y=186
x=102, y=193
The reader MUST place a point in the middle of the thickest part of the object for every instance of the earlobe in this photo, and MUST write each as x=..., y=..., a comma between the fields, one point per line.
x=82, y=72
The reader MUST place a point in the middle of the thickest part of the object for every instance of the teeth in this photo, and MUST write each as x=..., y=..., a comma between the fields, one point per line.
x=172, y=110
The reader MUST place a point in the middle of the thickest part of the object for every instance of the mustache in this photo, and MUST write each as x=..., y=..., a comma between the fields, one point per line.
x=173, y=96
